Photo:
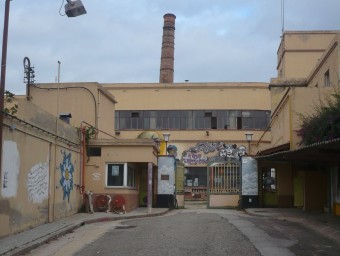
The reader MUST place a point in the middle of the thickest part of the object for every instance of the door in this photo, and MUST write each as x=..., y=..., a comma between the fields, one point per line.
x=269, y=187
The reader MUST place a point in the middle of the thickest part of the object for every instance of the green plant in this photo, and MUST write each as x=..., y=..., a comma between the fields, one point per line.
x=324, y=124
x=13, y=108
x=90, y=133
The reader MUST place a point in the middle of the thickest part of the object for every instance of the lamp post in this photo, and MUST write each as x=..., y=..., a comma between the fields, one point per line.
x=249, y=138
x=166, y=137
x=72, y=9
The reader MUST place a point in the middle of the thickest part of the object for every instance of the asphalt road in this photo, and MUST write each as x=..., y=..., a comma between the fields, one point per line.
x=192, y=232
x=185, y=233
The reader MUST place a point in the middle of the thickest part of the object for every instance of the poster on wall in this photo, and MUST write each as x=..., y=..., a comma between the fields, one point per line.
x=10, y=167
x=249, y=176
x=166, y=175
x=115, y=170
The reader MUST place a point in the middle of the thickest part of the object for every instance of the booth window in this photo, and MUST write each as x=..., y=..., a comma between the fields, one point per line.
x=120, y=175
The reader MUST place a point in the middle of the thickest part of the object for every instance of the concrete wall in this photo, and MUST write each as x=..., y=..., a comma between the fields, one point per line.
x=300, y=51
x=320, y=51
x=195, y=96
x=88, y=102
x=190, y=96
x=39, y=170
x=223, y=201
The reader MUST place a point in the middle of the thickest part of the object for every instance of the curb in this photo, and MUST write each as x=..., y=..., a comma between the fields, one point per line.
x=68, y=229
x=42, y=240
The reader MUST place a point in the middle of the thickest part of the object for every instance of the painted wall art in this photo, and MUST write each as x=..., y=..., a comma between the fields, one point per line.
x=38, y=182
x=204, y=152
x=66, y=169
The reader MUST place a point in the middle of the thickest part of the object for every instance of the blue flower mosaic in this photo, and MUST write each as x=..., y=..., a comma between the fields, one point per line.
x=67, y=170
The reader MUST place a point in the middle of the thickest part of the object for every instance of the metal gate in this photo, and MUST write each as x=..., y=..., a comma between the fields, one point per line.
x=224, y=177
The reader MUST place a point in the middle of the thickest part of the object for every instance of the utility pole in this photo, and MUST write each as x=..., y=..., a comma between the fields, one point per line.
x=3, y=75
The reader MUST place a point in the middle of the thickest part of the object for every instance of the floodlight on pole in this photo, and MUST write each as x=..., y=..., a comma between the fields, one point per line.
x=74, y=8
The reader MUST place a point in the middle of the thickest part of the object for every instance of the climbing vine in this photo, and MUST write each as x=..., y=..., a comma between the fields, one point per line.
x=9, y=107
x=90, y=133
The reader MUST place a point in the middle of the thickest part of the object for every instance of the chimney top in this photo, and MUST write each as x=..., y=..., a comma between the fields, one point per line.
x=168, y=47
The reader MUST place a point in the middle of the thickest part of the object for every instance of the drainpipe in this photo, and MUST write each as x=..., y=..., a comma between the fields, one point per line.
x=149, y=203
x=82, y=154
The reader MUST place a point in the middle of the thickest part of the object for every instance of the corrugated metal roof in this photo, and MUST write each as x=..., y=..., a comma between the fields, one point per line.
x=321, y=151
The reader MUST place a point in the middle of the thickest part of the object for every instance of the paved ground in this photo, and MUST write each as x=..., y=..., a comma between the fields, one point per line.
x=324, y=224
x=25, y=241
x=20, y=243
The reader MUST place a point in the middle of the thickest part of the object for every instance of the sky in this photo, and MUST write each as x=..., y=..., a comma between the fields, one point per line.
x=119, y=41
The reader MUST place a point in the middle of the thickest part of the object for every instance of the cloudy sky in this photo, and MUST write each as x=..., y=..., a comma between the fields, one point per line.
x=120, y=40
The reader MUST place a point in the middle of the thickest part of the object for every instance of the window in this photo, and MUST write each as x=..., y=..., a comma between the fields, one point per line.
x=327, y=80
x=115, y=174
x=94, y=151
x=239, y=123
x=131, y=179
x=174, y=120
x=120, y=175
x=269, y=180
x=135, y=114
x=192, y=119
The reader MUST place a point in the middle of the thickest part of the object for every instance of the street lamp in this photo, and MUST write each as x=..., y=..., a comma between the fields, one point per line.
x=249, y=138
x=72, y=9
x=166, y=137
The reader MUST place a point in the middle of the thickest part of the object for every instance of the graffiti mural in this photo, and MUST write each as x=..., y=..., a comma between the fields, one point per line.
x=66, y=170
x=205, y=152
x=37, y=183
x=194, y=158
x=11, y=166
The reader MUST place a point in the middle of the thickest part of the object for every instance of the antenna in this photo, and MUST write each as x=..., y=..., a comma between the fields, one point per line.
x=282, y=16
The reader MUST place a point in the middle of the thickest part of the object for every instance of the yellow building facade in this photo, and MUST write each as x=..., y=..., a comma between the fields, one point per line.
x=305, y=175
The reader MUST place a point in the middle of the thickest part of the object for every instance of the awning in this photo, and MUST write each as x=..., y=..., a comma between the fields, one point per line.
x=328, y=151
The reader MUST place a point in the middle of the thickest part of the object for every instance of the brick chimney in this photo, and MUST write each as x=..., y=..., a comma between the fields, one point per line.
x=168, y=49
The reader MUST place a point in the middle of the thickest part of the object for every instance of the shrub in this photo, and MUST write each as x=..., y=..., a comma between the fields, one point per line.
x=324, y=124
